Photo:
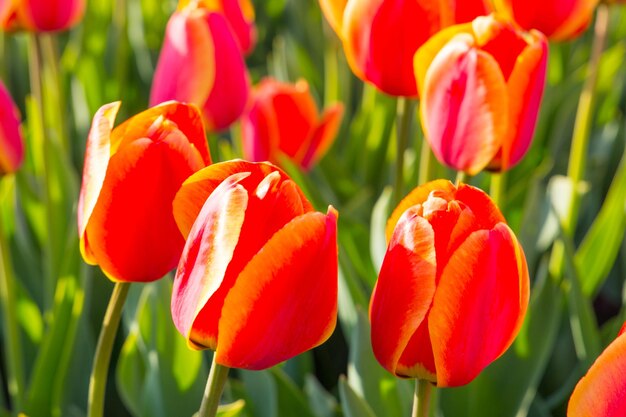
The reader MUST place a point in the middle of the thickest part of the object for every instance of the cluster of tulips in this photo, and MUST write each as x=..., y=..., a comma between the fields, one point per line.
x=256, y=264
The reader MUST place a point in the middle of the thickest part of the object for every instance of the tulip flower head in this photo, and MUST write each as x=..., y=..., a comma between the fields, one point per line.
x=602, y=392
x=11, y=141
x=481, y=85
x=257, y=281
x=40, y=15
x=201, y=62
x=380, y=37
x=282, y=119
x=453, y=288
x=557, y=19
x=130, y=177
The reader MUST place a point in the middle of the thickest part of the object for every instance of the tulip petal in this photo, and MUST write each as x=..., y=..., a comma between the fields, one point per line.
x=489, y=269
x=602, y=392
x=417, y=196
x=97, y=154
x=333, y=11
x=197, y=188
x=279, y=307
x=229, y=93
x=465, y=105
x=141, y=181
x=207, y=253
x=186, y=67
x=11, y=142
x=403, y=294
x=323, y=136
x=50, y=15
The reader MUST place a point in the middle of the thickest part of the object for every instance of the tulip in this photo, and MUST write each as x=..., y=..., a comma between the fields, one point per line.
x=11, y=141
x=602, y=392
x=380, y=37
x=282, y=119
x=130, y=177
x=201, y=63
x=453, y=288
x=257, y=281
x=481, y=85
x=40, y=15
x=557, y=19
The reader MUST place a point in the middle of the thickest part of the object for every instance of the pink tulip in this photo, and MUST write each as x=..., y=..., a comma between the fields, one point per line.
x=11, y=142
x=40, y=15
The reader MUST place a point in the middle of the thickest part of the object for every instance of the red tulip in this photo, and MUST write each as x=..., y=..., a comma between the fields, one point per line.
x=481, y=84
x=201, y=63
x=257, y=281
x=602, y=392
x=40, y=15
x=380, y=37
x=130, y=177
x=283, y=119
x=557, y=19
x=453, y=287
x=11, y=141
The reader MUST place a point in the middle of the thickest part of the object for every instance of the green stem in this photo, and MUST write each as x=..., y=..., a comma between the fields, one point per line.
x=584, y=115
x=497, y=191
x=52, y=74
x=102, y=358
x=426, y=163
x=461, y=177
x=213, y=391
x=421, y=398
x=404, y=117
x=12, y=339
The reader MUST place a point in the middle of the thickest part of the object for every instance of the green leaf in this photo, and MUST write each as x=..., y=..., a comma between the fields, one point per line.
x=380, y=214
x=262, y=392
x=291, y=401
x=322, y=403
x=352, y=404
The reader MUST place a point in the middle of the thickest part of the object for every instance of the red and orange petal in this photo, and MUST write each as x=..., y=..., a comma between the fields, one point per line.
x=322, y=137
x=473, y=320
x=240, y=16
x=40, y=15
x=197, y=188
x=465, y=105
x=229, y=94
x=11, y=141
x=208, y=251
x=404, y=290
x=186, y=67
x=267, y=310
x=97, y=154
x=602, y=391
x=381, y=37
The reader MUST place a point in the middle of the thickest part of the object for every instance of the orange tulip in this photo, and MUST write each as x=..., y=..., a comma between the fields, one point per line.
x=130, y=177
x=602, y=392
x=257, y=281
x=481, y=85
x=40, y=15
x=380, y=37
x=201, y=63
x=557, y=19
x=453, y=287
x=11, y=141
x=282, y=119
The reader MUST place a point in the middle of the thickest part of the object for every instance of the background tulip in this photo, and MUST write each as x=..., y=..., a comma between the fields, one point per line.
x=11, y=142
x=283, y=119
x=602, y=392
x=481, y=85
x=453, y=287
x=130, y=177
x=40, y=15
x=201, y=62
x=258, y=263
x=557, y=19
x=380, y=37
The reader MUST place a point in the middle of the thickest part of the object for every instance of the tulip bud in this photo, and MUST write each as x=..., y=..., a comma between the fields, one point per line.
x=130, y=177
x=453, y=288
x=201, y=63
x=257, y=281
x=380, y=37
x=557, y=19
x=40, y=15
x=481, y=84
x=11, y=141
x=282, y=119
x=602, y=391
